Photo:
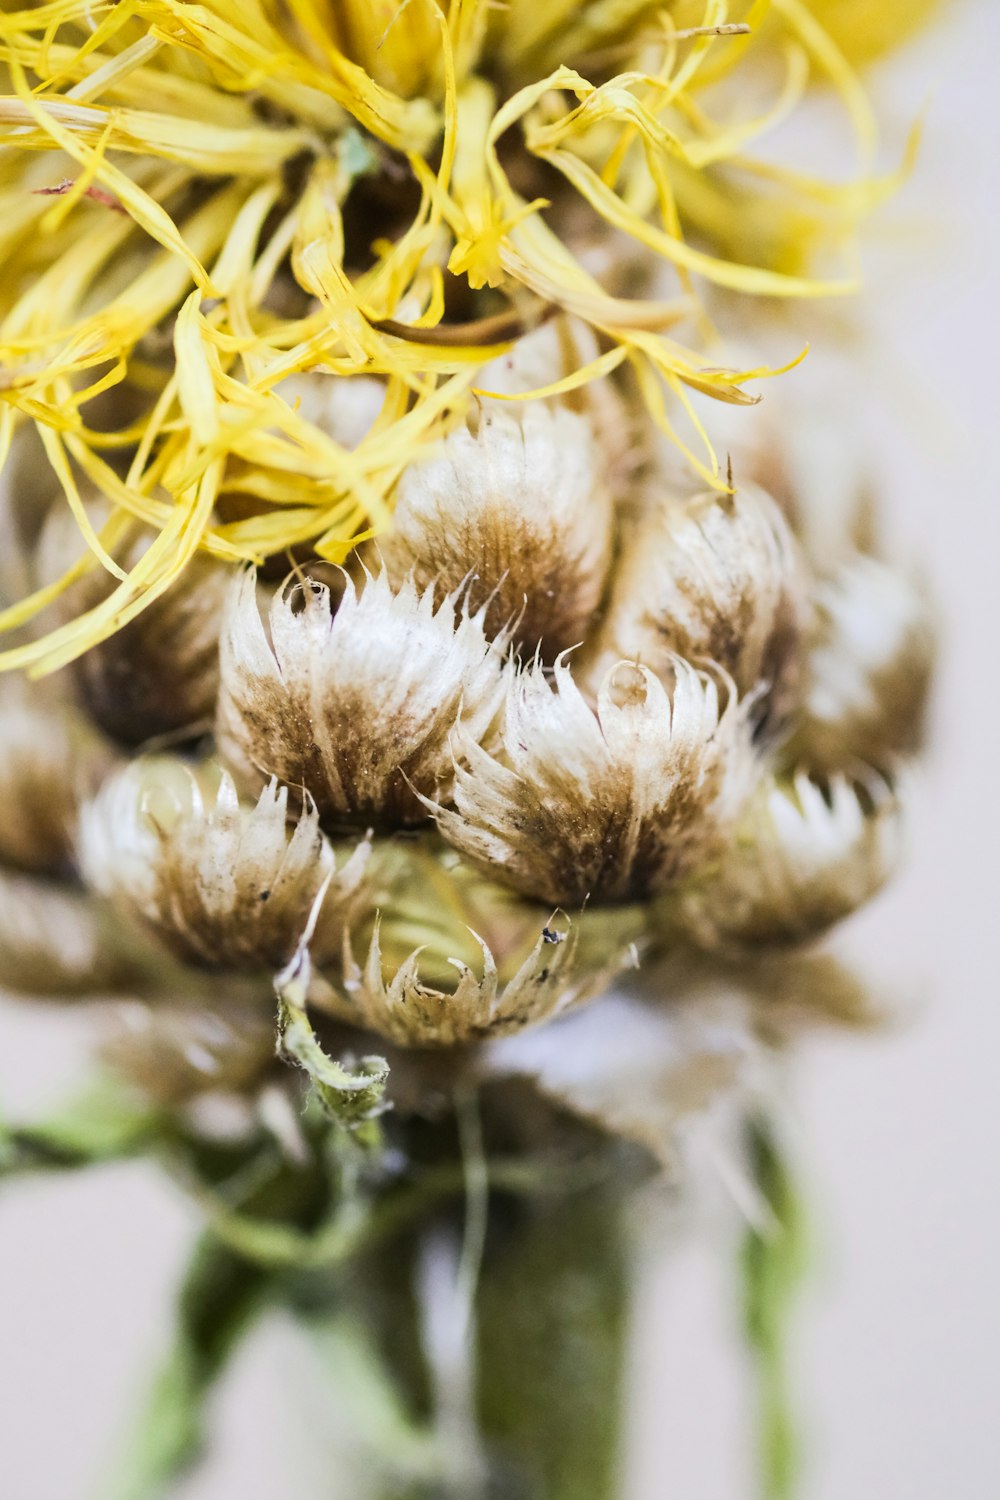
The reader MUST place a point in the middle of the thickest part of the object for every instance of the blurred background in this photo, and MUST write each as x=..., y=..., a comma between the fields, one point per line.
x=897, y=1344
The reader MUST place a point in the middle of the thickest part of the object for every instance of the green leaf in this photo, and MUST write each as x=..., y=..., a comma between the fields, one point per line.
x=773, y=1260
x=104, y=1123
x=219, y=1298
x=351, y=1096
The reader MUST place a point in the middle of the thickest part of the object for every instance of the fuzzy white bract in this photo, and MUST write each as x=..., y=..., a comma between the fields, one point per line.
x=225, y=886
x=355, y=704
x=605, y=806
x=520, y=504
x=809, y=851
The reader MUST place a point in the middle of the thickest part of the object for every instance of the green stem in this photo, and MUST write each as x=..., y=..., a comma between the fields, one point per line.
x=552, y=1326
x=773, y=1260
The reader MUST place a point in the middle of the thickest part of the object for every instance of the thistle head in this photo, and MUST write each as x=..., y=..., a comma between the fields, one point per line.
x=355, y=705
x=403, y=1004
x=173, y=1053
x=609, y=806
x=869, y=670
x=521, y=504
x=159, y=674
x=714, y=578
x=51, y=760
x=55, y=940
x=224, y=886
x=809, y=851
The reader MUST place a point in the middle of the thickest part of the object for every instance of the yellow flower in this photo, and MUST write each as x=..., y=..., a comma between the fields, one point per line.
x=256, y=191
x=864, y=31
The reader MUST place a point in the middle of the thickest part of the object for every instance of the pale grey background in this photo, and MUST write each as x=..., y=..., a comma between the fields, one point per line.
x=900, y=1332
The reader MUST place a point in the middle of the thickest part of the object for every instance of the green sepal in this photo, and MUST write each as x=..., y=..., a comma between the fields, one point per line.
x=351, y=1096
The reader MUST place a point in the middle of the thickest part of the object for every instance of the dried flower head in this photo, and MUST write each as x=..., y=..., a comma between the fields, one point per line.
x=869, y=671
x=608, y=806
x=715, y=578
x=159, y=674
x=639, y=1070
x=424, y=895
x=546, y=358
x=51, y=759
x=355, y=705
x=522, y=506
x=224, y=886
x=808, y=852
x=55, y=940
x=175, y=1052
x=412, y=1012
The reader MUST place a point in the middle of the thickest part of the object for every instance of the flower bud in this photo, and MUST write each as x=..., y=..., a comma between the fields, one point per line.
x=175, y=1052
x=224, y=886
x=716, y=578
x=807, y=853
x=520, y=505
x=548, y=355
x=869, y=672
x=608, y=807
x=51, y=759
x=411, y=1012
x=423, y=894
x=159, y=674
x=57, y=941
x=356, y=705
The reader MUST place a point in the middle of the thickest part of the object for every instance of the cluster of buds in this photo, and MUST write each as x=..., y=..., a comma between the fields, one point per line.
x=439, y=766
x=550, y=725
x=390, y=660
